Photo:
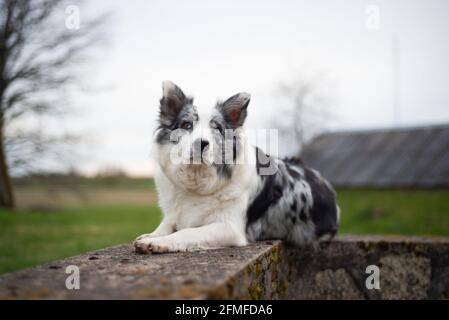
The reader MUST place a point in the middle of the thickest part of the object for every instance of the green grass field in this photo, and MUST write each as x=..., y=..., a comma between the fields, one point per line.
x=406, y=212
x=31, y=237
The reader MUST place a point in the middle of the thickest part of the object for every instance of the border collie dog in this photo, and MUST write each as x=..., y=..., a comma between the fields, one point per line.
x=216, y=190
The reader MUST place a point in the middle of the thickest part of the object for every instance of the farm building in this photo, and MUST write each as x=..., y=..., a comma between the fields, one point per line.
x=406, y=157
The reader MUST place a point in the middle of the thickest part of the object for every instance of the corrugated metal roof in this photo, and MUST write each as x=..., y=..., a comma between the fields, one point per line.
x=408, y=157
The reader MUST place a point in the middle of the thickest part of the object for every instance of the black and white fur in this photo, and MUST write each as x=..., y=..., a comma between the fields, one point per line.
x=219, y=195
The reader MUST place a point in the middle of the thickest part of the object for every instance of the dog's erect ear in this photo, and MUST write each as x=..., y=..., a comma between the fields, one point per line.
x=172, y=102
x=234, y=109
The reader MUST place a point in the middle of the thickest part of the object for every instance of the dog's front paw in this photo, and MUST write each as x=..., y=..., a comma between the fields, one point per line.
x=145, y=235
x=152, y=245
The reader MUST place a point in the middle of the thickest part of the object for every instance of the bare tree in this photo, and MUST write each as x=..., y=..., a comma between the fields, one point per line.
x=40, y=59
x=305, y=104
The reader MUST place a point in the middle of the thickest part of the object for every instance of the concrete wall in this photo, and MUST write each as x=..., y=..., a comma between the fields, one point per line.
x=409, y=268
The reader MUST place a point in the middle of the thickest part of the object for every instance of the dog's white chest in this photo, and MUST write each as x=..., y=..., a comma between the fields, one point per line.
x=195, y=211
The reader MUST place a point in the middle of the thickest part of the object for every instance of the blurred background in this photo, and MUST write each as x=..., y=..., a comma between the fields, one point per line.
x=358, y=88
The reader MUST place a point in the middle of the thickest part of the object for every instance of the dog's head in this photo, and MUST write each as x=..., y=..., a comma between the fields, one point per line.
x=194, y=150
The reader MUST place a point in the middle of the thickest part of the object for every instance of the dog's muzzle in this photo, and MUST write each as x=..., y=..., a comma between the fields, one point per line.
x=198, y=148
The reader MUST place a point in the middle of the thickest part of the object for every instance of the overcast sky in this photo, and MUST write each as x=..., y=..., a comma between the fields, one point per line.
x=215, y=49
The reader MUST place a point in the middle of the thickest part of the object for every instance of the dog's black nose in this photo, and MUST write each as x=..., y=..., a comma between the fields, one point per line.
x=204, y=144
x=199, y=145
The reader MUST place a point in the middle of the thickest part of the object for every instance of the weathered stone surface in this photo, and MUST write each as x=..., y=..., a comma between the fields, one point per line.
x=325, y=285
x=405, y=276
x=411, y=268
x=118, y=272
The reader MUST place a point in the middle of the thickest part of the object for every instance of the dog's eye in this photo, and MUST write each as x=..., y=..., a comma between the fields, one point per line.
x=216, y=128
x=219, y=130
x=186, y=125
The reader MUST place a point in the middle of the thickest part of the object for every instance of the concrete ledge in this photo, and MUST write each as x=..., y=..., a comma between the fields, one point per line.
x=410, y=268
